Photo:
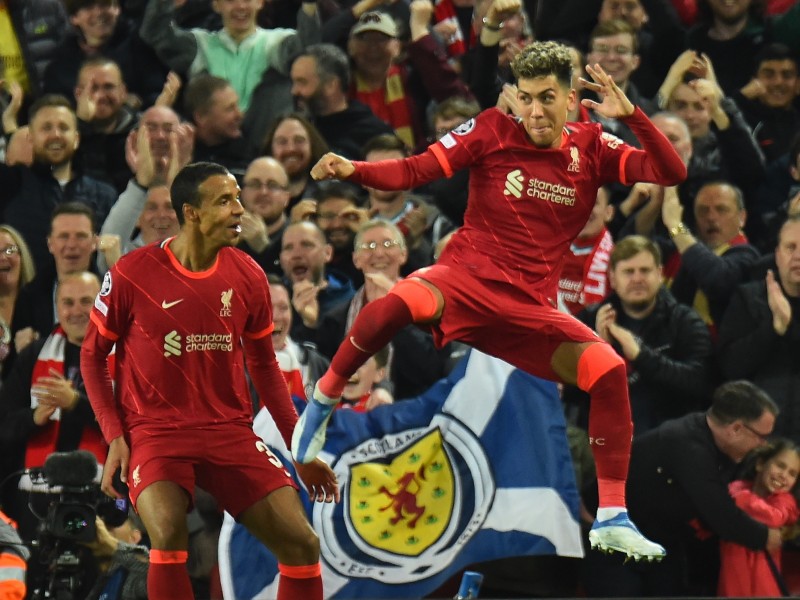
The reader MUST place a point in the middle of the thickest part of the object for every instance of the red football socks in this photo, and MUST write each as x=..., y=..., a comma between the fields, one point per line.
x=300, y=582
x=167, y=577
x=375, y=326
x=602, y=374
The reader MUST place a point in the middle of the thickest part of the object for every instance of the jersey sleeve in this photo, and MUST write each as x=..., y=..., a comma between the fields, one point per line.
x=112, y=306
x=105, y=327
x=259, y=322
x=455, y=151
x=657, y=161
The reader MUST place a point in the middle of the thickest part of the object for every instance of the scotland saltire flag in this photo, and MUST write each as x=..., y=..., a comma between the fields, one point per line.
x=475, y=469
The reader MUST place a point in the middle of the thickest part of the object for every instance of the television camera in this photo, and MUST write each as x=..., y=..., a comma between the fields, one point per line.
x=74, y=502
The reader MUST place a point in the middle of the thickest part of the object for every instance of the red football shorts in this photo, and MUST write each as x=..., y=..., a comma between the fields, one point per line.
x=228, y=461
x=500, y=319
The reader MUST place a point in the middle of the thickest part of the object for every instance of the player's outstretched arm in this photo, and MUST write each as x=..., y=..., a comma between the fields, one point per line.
x=320, y=481
x=614, y=104
x=332, y=166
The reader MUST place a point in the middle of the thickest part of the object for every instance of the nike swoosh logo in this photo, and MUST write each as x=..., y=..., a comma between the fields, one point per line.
x=165, y=304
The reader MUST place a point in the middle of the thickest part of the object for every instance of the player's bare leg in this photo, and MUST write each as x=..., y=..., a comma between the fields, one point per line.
x=598, y=370
x=410, y=301
x=162, y=506
x=279, y=522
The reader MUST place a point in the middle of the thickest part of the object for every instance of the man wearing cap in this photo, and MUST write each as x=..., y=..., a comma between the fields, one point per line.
x=320, y=79
x=399, y=92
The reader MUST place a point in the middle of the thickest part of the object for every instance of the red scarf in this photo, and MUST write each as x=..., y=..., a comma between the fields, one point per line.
x=445, y=12
x=389, y=103
x=584, y=277
x=44, y=440
x=290, y=366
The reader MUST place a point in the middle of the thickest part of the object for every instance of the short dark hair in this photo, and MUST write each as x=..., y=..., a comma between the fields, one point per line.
x=100, y=61
x=331, y=61
x=630, y=246
x=73, y=208
x=740, y=400
x=336, y=189
x=775, y=51
x=541, y=59
x=73, y=6
x=763, y=453
x=198, y=97
x=48, y=101
x=385, y=142
x=185, y=187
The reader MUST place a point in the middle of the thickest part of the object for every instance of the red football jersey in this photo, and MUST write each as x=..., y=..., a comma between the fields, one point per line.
x=526, y=204
x=179, y=353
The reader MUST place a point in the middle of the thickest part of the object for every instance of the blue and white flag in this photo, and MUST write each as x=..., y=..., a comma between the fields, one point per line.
x=477, y=468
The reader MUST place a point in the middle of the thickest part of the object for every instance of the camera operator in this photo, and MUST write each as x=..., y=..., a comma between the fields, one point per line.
x=43, y=406
x=122, y=562
x=13, y=561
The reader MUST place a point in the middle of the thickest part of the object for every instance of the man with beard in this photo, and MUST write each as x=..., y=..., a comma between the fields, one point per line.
x=320, y=81
x=339, y=215
x=265, y=196
x=28, y=195
x=665, y=345
x=715, y=262
x=315, y=288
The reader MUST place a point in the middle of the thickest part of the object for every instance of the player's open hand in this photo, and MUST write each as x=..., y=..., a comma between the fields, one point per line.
x=614, y=103
x=320, y=480
x=332, y=166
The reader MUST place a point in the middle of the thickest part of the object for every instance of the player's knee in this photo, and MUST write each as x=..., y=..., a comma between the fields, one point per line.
x=302, y=549
x=596, y=362
x=421, y=300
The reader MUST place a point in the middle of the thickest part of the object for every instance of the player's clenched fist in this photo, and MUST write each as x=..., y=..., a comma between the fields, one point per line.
x=332, y=166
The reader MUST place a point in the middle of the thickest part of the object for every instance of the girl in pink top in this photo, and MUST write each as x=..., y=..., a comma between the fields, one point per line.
x=767, y=495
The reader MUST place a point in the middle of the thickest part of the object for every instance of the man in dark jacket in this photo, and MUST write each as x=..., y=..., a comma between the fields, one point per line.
x=678, y=492
x=28, y=195
x=712, y=264
x=320, y=80
x=665, y=344
x=100, y=29
x=760, y=332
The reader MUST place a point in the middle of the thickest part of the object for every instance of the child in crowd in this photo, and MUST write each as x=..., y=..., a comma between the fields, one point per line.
x=766, y=493
x=358, y=391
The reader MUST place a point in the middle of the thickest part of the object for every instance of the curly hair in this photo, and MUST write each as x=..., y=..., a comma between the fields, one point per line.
x=541, y=59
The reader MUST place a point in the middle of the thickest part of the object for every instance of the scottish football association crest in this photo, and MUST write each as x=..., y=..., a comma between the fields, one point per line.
x=405, y=516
